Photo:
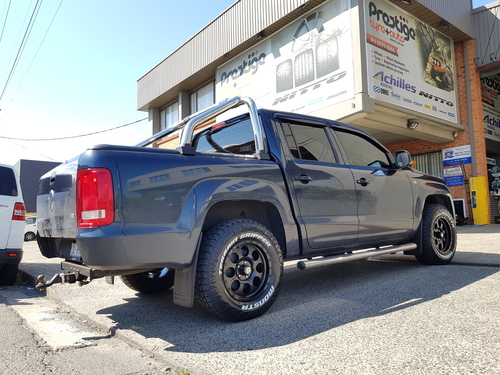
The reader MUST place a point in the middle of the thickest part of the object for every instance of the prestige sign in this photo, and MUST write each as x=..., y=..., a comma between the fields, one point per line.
x=304, y=67
x=490, y=94
x=410, y=64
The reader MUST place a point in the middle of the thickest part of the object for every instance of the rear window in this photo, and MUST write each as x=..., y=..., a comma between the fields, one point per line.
x=8, y=184
x=234, y=137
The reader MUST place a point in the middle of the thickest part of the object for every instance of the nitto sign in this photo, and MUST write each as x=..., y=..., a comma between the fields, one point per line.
x=439, y=100
x=314, y=86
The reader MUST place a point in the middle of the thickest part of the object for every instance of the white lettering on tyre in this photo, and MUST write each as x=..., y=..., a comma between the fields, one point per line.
x=257, y=236
x=226, y=250
x=261, y=302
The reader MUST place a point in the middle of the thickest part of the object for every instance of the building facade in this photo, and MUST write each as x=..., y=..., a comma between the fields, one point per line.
x=418, y=75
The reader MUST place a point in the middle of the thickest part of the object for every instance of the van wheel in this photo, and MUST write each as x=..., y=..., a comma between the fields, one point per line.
x=29, y=236
x=439, y=235
x=239, y=270
x=8, y=274
x=150, y=282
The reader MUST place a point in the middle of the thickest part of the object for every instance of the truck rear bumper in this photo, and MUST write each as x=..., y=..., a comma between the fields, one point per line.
x=149, y=251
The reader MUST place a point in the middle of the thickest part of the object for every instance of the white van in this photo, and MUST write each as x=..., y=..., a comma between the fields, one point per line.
x=12, y=220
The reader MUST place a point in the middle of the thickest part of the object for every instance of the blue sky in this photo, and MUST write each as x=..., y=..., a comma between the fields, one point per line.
x=79, y=74
x=84, y=77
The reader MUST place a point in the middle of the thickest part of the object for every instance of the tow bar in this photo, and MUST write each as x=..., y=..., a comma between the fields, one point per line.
x=82, y=274
x=59, y=278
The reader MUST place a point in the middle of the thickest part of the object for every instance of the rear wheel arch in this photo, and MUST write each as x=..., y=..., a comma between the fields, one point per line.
x=262, y=212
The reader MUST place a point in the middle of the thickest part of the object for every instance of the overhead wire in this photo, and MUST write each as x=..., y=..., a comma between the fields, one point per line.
x=5, y=21
x=36, y=53
x=72, y=136
x=22, y=45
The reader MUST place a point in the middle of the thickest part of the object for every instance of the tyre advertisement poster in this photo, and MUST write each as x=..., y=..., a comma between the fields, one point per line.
x=302, y=68
x=410, y=64
x=490, y=93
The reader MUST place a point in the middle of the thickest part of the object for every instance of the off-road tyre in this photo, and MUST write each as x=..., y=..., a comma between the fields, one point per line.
x=8, y=274
x=304, y=67
x=239, y=270
x=150, y=282
x=327, y=57
x=439, y=235
x=284, y=76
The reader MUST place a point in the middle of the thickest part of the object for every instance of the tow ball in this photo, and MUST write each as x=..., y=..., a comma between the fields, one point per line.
x=59, y=278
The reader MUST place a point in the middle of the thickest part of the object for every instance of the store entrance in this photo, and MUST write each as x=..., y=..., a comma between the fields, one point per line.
x=490, y=92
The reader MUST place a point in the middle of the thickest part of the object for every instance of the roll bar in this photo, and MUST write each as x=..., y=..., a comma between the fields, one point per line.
x=190, y=123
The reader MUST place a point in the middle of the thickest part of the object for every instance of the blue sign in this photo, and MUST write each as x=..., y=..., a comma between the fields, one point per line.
x=452, y=162
x=455, y=155
x=454, y=180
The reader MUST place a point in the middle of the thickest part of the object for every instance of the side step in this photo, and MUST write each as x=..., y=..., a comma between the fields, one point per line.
x=357, y=255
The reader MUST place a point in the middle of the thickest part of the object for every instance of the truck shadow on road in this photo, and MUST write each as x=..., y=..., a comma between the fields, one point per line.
x=311, y=302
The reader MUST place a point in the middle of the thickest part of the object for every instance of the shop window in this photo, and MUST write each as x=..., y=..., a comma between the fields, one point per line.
x=169, y=116
x=202, y=98
x=430, y=163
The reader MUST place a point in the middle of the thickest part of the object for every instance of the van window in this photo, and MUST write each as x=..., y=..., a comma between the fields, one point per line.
x=8, y=184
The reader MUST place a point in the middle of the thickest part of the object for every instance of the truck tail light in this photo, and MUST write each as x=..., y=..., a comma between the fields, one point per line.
x=95, y=205
x=19, y=212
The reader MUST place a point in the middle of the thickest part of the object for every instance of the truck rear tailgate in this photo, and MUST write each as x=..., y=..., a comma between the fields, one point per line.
x=56, y=202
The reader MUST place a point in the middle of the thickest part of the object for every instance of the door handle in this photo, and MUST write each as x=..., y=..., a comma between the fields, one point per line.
x=303, y=178
x=363, y=181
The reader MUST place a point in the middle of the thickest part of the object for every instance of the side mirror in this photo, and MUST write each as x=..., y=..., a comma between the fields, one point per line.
x=403, y=159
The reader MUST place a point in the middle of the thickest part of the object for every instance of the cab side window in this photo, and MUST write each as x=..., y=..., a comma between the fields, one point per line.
x=361, y=151
x=308, y=142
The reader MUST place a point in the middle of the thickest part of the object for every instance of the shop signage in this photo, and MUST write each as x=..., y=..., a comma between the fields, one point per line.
x=453, y=176
x=456, y=155
x=302, y=68
x=490, y=94
x=409, y=63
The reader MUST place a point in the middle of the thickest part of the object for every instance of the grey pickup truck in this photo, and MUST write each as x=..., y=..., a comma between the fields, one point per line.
x=216, y=216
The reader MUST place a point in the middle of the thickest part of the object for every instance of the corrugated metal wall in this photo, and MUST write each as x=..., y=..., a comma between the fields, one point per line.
x=486, y=22
x=456, y=12
x=242, y=21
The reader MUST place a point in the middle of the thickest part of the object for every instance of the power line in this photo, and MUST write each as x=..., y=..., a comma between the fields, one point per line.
x=36, y=53
x=73, y=136
x=22, y=45
x=5, y=22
